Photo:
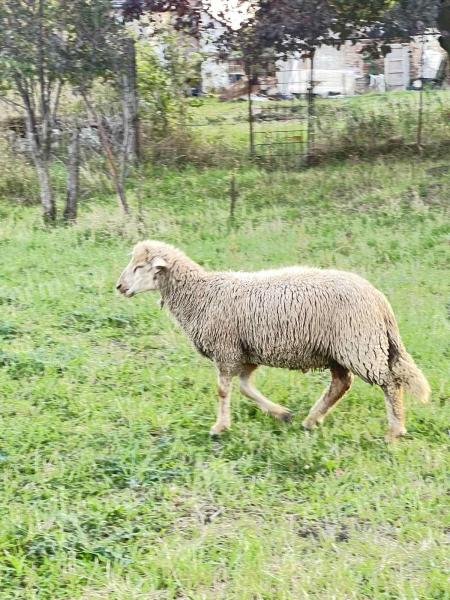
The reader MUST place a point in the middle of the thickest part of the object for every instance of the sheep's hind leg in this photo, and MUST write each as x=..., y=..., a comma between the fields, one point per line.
x=248, y=389
x=341, y=380
x=223, y=421
x=393, y=396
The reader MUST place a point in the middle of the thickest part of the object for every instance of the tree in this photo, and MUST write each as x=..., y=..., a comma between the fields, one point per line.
x=186, y=13
x=187, y=17
x=43, y=45
x=444, y=25
x=29, y=65
x=402, y=21
x=101, y=48
x=301, y=26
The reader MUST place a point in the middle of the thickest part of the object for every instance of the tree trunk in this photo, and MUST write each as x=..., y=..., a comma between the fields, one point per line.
x=40, y=160
x=45, y=189
x=130, y=106
x=73, y=179
x=444, y=25
x=117, y=180
x=39, y=144
x=116, y=177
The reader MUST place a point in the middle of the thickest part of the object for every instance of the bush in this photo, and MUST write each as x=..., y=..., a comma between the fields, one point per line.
x=18, y=180
x=180, y=147
x=164, y=82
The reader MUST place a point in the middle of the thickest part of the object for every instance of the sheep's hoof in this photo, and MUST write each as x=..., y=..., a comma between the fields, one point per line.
x=217, y=429
x=286, y=416
x=393, y=435
x=308, y=424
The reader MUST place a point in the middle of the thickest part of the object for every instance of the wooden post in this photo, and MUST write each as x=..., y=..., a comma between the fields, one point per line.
x=140, y=206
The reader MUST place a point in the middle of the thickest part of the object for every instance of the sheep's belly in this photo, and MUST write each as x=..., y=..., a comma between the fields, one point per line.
x=302, y=361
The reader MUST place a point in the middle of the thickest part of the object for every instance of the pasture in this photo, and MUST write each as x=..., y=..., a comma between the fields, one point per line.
x=111, y=487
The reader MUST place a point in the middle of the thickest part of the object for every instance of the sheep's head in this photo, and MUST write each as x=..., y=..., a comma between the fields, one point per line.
x=141, y=273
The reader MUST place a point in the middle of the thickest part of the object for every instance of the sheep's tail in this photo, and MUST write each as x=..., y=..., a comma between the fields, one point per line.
x=411, y=377
x=405, y=370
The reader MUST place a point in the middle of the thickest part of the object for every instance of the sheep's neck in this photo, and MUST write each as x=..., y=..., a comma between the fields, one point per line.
x=179, y=291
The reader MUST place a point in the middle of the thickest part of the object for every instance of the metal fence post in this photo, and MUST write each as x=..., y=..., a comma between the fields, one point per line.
x=310, y=124
x=421, y=97
x=250, y=110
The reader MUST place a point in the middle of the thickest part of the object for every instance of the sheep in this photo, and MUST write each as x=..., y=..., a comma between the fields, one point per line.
x=296, y=318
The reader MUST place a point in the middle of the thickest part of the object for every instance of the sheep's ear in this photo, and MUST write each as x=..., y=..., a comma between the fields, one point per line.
x=158, y=264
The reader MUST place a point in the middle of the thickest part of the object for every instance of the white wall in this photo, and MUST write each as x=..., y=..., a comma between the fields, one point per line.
x=330, y=74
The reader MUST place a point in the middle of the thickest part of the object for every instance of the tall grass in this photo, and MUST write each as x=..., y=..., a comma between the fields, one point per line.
x=369, y=129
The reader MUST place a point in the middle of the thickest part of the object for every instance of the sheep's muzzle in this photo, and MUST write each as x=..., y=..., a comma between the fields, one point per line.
x=120, y=287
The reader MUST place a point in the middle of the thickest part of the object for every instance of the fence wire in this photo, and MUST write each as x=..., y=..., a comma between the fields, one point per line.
x=279, y=120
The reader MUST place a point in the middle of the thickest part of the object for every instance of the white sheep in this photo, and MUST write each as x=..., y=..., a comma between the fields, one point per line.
x=297, y=318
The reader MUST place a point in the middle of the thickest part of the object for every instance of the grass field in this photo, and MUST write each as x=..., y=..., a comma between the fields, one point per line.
x=110, y=485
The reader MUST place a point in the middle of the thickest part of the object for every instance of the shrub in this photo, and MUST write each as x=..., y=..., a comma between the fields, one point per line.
x=17, y=177
x=164, y=81
x=180, y=147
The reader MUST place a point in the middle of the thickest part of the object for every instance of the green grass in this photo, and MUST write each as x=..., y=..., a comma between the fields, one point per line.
x=110, y=485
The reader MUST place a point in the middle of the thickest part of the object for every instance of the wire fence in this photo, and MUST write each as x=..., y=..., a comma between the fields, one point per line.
x=376, y=125
x=282, y=121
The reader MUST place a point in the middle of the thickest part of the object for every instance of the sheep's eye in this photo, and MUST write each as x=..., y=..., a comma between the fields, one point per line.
x=138, y=267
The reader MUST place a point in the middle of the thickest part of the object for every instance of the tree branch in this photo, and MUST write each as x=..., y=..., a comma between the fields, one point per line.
x=108, y=152
x=12, y=102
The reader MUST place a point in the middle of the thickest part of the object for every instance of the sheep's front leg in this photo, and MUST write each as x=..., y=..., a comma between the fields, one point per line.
x=223, y=421
x=248, y=389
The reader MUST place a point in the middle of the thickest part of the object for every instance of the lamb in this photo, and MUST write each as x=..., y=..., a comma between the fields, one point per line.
x=297, y=318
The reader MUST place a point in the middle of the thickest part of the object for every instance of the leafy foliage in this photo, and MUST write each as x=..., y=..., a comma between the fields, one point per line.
x=58, y=40
x=186, y=13
x=289, y=26
x=444, y=25
x=405, y=19
x=164, y=80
